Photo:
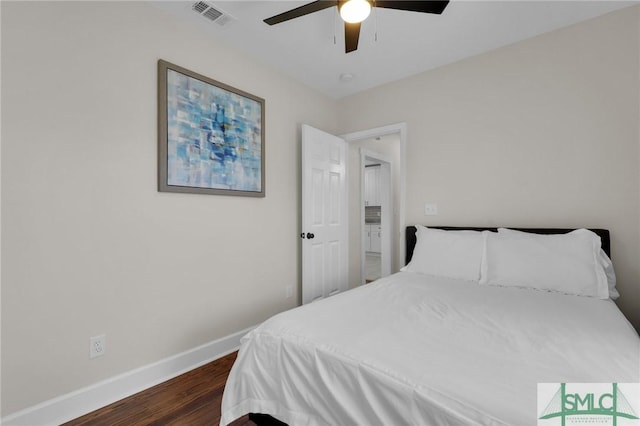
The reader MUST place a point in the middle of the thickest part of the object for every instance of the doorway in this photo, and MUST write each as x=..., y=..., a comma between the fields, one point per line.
x=375, y=199
x=386, y=143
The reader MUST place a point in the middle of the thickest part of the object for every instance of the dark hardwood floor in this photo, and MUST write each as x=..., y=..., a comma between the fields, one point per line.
x=192, y=399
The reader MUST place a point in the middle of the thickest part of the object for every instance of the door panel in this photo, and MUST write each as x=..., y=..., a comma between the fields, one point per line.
x=317, y=208
x=334, y=249
x=334, y=199
x=316, y=277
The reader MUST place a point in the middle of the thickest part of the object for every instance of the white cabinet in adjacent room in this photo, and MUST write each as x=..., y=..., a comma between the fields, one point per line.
x=372, y=186
x=376, y=243
x=367, y=238
x=372, y=239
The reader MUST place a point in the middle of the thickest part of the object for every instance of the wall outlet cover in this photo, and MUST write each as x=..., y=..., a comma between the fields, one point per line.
x=431, y=209
x=97, y=346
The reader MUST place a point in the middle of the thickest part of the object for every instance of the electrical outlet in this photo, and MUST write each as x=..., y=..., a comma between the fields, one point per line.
x=97, y=345
x=288, y=292
x=431, y=209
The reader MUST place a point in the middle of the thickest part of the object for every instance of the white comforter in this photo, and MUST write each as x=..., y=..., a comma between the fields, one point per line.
x=416, y=350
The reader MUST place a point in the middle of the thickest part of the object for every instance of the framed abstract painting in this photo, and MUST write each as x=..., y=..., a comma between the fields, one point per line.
x=210, y=135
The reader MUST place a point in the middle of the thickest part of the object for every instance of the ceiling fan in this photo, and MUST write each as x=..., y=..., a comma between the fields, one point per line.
x=353, y=12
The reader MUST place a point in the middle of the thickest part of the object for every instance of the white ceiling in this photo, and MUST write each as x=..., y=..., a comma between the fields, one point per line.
x=407, y=42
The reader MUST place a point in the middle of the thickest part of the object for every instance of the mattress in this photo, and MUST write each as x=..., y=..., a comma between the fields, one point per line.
x=418, y=350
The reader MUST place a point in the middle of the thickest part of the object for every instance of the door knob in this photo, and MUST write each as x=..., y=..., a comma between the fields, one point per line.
x=302, y=235
x=310, y=236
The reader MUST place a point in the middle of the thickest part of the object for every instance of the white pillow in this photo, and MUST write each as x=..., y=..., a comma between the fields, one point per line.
x=610, y=273
x=566, y=263
x=451, y=254
x=604, y=260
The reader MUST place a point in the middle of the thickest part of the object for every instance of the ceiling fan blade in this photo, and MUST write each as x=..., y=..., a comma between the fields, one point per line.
x=351, y=36
x=414, y=6
x=301, y=11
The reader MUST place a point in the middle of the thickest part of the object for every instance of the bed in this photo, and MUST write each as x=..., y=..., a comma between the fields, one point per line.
x=454, y=339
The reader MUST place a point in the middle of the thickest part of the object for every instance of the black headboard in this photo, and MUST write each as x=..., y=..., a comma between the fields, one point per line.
x=411, y=235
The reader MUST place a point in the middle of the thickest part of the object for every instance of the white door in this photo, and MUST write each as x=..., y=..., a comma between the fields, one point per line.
x=324, y=215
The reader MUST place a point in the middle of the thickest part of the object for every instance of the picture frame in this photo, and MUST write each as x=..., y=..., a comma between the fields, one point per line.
x=211, y=136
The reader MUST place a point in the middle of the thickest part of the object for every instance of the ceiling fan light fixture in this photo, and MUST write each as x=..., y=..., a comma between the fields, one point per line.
x=355, y=11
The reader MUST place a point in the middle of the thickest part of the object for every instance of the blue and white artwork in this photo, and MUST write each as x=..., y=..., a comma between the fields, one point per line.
x=214, y=136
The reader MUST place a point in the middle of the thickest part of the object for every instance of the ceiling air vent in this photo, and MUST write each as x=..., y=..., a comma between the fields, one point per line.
x=212, y=13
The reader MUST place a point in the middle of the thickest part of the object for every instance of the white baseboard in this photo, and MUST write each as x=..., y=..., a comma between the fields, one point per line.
x=82, y=401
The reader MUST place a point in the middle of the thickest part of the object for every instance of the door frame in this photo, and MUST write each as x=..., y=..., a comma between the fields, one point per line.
x=401, y=130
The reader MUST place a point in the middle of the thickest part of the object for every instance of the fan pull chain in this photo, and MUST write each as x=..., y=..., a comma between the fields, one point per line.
x=334, y=26
x=375, y=12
